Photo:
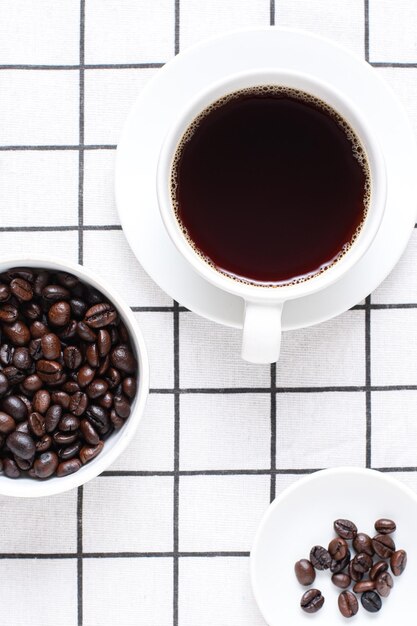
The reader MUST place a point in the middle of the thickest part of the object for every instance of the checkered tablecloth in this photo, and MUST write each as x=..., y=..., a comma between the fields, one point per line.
x=163, y=538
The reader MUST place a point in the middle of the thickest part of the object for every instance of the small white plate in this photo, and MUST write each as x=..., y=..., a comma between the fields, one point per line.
x=302, y=516
x=169, y=92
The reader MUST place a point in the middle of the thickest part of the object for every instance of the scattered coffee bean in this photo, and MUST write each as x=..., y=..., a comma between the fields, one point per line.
x=355, y=574
x=348, y=604
x=364, y=585
x=385, y=526
x=304, y=571
x=398, y=562
x=379, y=568
x=338, y=566
x=342, y=581
x=383, y=545
x=362, y=563
x=312, y=601
x=320, y=558
x=338, y=547
x=384, y=584
x=371, y=601
x=363, y=543
x=67, y=373
x=345, y=528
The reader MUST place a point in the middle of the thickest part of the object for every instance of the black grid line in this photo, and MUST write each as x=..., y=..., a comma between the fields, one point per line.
x=52, y=229
x=56, y=147
x=368, y=382
x=273, y=431
x=272, y=12
x=84, y=66
x=80, y=556
x=176, y=462
x=392, y=64
x=212, y=472
x=283, y=390
x=121, y=555
x=366, y=29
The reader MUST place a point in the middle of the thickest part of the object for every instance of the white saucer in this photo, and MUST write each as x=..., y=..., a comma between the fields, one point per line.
x=302, y=516
x=193, y=70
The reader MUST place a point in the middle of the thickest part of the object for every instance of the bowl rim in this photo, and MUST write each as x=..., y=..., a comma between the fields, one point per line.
x=30, y=488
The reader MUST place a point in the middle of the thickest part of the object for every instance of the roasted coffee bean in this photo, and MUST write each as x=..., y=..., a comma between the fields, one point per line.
x=54, y=293
x=23, y=427
x=364, y=585
x=103, y=342
x=348, y=604
x=384, y=583
x=31, y=311
x=354, y=573
x=68, y=467
x=116, y=420
x=48, y=371
x=4, y=292
x=341, y=580
x=312, y=601
x=71, y=386
x=379, y=568
x=68, y=452
x=398, y=562
x=89, y=453
x=385, y=526
x=129, y=387
x=92, y=355
x=10, y=468
x=122, y=358
x=113, y=377
x=89, y=433
x=4, y=384
x=78, y=403
x=7, y=423
x=69, y=423
x=98, y=417
x=41, y=401
x=345, y=528
x=104, y=366
x=78, y=308
x=18, y=333
x=85, y=332
x=72, y=357
x=26, y=401
x=122, y=407
x=371, y=601
x=31, y=383
x=22, y=289
x=22, y=359
x=106, y=401
x=51, y=346
x=43, y=444
x=98, y=388
x=100, y=315
x=61, y=398
x=92, y=295
x=35, y=349
x=15, y=407
x=38, y=330
x=67, y=280
x=68, y=332
x=60, y=313
x=8, y=313
x=304, y=572
x=21, y=272
x=320, y=558
x=13, y=375
x=24, y=464
x=65, y=439
x=383, y=546
x=362, y=562
x=21, y=445
x=37, y=424
x=53, y=415
x=40, y=282
x=85, y=376
x=6, y=354
x=337, y=547
x=363, y=543
x=338, y=566
x=46, y=464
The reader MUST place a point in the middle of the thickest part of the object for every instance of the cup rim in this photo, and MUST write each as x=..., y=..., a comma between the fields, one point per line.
x=31, y=488
x=363, y=128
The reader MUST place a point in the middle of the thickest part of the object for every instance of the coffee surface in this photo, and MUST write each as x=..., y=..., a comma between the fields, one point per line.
x=270, y=186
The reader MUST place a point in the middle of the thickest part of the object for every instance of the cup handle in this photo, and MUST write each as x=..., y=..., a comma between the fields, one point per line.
x=262, y=332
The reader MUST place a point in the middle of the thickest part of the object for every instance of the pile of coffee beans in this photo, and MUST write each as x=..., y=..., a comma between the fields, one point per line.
x=367, y=571
x=68, y=374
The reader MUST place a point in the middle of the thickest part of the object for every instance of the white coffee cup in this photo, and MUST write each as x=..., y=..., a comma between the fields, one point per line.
x=264, y=304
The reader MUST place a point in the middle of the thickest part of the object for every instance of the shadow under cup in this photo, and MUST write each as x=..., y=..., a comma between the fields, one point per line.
x=272, y=186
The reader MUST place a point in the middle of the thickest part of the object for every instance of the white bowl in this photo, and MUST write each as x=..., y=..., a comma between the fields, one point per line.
x=119, y=440
x=302, y=516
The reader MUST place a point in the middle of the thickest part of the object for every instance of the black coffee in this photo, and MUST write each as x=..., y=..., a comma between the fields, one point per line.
x=270, y=185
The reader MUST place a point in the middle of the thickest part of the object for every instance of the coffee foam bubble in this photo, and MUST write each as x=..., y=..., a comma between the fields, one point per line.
x=358, y=152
